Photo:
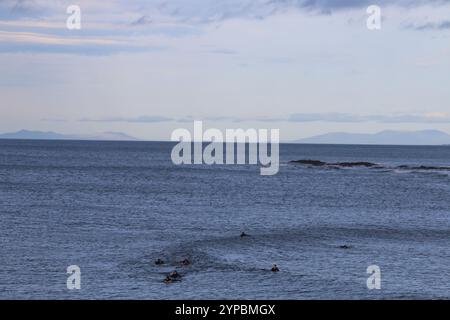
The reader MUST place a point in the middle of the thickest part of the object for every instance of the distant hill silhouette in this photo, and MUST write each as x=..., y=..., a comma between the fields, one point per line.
x=49, y=135
x=388, y=137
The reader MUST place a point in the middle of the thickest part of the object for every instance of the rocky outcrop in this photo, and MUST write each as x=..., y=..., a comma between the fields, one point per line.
x=315, y=163
x=318, y=163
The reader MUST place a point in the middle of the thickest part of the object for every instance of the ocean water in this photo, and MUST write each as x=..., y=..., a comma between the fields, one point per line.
x=112, y=208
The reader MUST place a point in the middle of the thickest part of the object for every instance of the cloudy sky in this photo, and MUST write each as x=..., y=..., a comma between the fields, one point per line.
x=148, y=67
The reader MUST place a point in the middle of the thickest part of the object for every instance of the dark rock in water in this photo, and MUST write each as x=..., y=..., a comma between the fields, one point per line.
x=315, y=163
x=318, y=163
x=356, y=164
x=422, y=167
x=431, y=168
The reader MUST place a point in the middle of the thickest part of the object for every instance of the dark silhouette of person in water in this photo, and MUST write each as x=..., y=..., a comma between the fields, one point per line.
x=275, y=268
x=186, y=262
x=175, y=275
x=159, y=262
x=167, y=280
x=243, y=234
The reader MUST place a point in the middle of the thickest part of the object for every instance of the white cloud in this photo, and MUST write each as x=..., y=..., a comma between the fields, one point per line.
x=36, y=38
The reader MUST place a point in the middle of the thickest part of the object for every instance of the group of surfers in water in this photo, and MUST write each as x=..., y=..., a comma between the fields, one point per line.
x=175, y=276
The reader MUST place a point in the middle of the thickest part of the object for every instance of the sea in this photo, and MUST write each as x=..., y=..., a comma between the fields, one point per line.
x=114, y=208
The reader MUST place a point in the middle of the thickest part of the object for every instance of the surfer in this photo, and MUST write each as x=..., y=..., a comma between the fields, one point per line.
x=186, y=262
x=243, y=234
x=174, y=275
x=167, y=280
x=275, y=268
x=159, y=262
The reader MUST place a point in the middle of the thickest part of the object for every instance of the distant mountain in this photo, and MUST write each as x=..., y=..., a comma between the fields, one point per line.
x=115, y=136
x=426, y=137
x=40, y=135
x=26, y=134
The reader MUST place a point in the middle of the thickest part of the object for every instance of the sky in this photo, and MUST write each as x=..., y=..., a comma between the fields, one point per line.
x=145, y=68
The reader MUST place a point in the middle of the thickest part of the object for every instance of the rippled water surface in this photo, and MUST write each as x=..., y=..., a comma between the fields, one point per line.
x=112, y=208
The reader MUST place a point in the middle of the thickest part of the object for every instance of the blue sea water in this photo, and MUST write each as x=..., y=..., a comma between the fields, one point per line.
x=112, y=208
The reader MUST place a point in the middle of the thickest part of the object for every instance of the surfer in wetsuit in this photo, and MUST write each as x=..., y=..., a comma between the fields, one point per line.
x=159, y=262
x=174, y=275
x=243, y=234
x=275, y=268
x=186, y=262
x=167, y=280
